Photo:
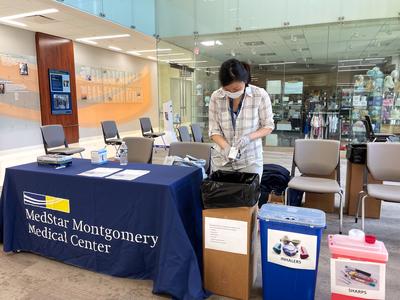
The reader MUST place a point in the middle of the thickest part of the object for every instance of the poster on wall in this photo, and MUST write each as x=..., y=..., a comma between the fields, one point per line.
x=292, y=250
x=359, y=279
x=60, y=92
x=293, y=87
x=274, y=87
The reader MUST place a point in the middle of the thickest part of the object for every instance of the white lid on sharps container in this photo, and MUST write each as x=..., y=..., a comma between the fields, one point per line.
x=292, y=215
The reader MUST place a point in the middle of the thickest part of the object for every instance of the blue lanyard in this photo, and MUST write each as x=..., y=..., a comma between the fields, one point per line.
x=233, y=114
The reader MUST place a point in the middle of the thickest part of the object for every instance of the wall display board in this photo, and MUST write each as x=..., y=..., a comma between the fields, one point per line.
x=293, y=87
x=60, y=92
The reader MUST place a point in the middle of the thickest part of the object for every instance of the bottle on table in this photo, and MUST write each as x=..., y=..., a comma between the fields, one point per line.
x=123, y=154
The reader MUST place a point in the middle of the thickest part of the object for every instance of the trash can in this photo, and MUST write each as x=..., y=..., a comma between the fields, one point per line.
x=224, y=189
x=357, y=267
x=290, y=244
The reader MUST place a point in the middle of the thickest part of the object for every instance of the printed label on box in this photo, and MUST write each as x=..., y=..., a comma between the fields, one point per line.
x=292, y=250
x=225, y=235
x=359, y=279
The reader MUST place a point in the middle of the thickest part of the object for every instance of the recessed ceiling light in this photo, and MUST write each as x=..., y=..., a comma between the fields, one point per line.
x=181, y=59
x=152, y=50
x=87, y=42
x=134, y=53
x=103, y=37
x=152, y=57
x=114, y=48
x=280, y=63
x=171, y=54
x=211, y=43
x=9, y=19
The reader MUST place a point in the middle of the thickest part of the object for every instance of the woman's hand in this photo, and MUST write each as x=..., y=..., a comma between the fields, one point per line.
x=243, y=142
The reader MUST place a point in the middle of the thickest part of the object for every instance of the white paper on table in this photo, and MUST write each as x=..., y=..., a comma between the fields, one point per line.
x=226, y=235
x=128, y=174
x=100, y=172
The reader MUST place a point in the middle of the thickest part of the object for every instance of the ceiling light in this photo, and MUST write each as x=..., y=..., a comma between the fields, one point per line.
x=11, y=22
x=171, y=54
x=114, y=48
x=211, y=43
x=30, y=14
x=353, y=70
x=103, y=37
x=9, y=19
x=151, y=50
x=152, y=57
x=87, y=42
x=361, y=65
x=280, y=63
x=181, y=59
x=374, y=58
x=345, y=60
x=134, y=53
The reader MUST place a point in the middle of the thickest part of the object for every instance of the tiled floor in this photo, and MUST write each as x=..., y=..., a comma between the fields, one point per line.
x=29, y=276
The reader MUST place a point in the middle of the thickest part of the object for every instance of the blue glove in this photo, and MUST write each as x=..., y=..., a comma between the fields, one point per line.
x=243, y=142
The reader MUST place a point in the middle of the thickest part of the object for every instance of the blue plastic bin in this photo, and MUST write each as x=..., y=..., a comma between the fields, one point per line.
x=290, y=244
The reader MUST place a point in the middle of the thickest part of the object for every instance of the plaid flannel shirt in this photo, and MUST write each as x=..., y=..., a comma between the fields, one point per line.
x=256, y=113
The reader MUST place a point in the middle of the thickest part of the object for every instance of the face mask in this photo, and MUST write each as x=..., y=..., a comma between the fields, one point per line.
x=235, y=94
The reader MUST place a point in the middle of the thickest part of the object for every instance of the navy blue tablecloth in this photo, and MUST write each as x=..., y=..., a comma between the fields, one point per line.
x=149, y=228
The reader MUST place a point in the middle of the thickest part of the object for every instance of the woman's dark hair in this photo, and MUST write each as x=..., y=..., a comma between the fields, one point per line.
x=233, y=70
x=247, y=67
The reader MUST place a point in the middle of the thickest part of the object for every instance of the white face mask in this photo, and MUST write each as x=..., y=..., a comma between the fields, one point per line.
x=235, y=94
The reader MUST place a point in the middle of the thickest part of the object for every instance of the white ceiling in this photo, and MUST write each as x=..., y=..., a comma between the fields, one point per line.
x=73, y=24
x=317, y=44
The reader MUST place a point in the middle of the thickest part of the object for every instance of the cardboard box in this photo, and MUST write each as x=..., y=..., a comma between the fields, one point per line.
x=354, y=184
x=230, y=250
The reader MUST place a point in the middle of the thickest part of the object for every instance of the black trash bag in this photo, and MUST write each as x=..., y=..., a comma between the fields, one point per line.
x=230, y=189
x=295, y=197
x=275, y=179
x=357, y=153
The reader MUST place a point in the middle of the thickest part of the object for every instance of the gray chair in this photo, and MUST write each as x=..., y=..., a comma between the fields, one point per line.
x=317, y=158
x=140, y=149
x=184, y=135
x=111, y=134
x=54, y=137
x=202, y=151
x=197, y=133
x=383, y=164
x=148, y=132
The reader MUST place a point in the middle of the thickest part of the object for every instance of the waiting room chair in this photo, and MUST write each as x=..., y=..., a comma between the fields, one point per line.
x=184, y=135
x=383, y=164
x=140, y=149
x=54, y=137
x=317, y=158
x=201, y=151
x=111, y=134
x=148, y=132
x=197, y=133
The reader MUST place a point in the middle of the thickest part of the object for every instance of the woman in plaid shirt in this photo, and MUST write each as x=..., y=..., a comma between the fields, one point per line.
x=240, y=114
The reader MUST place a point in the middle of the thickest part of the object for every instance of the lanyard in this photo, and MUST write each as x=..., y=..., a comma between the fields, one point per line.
x=233, y=114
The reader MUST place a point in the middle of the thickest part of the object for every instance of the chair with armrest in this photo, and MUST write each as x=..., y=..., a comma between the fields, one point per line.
x=383, y=164
x=148, y=132
x=111, y=134
x=54, y=141
x=201, y=151
x=140, y=149
x=197, y=133
x=184, y=135
x=316, y=159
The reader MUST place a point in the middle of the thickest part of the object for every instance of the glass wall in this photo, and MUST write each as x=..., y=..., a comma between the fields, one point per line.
x=135, y=14
x=321, y=78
